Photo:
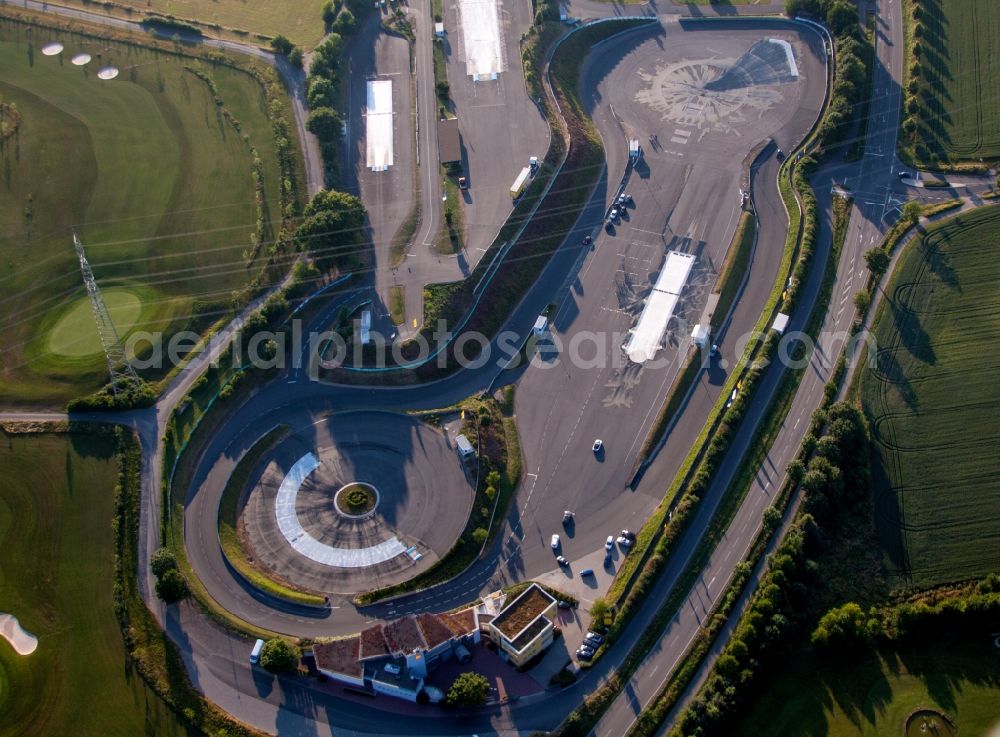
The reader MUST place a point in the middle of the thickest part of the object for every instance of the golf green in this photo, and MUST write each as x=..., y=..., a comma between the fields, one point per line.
x=76, y=332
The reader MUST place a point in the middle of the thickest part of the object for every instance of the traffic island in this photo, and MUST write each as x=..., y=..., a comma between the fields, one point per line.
x=356, y=500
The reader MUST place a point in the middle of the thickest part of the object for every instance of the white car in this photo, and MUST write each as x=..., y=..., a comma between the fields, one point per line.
x=609, y=543
x=555, y=542
x=598, y=445
x=562, y=561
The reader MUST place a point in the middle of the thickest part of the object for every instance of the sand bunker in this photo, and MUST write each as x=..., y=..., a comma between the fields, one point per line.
x=24, y=643
x=81, y=59
x=107, y=72
x=52, y=49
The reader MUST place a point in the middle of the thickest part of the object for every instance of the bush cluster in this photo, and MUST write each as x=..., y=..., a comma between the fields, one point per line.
x=170, y=584
x=325, y=121
x=128, y=397
x=849, y=87
x=331, y=229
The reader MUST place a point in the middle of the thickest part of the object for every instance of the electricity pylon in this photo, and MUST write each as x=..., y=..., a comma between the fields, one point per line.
x=119, y=368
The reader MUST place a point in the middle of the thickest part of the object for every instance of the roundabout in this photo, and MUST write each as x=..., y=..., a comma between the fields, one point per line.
x=356, y=501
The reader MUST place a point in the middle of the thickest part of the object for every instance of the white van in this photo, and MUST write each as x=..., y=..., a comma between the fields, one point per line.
x=255, y=653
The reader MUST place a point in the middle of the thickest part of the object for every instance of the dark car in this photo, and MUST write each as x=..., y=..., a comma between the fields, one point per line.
x=587, y=240
x=593, y=639
x=585, y=653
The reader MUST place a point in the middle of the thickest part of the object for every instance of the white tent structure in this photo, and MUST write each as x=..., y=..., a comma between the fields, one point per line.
x=646, y=338
x=378, y=125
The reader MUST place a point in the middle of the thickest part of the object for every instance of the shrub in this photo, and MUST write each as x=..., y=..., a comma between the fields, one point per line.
x=479, y=536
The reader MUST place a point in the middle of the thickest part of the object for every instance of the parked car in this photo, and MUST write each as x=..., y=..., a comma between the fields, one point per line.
x=585, y=653
x=614, y=215
x=598, y=445
x=906, y=175
x=463, y=183
x=624, y=542
x=555, y=542
x=594, y=639
x=624, y=199
x=586, y=572
x=567, y=517
x=563, y=604
x=587, y=240
x=392, y=668
x=609, y=543
x=561, y=560
x=628, y=534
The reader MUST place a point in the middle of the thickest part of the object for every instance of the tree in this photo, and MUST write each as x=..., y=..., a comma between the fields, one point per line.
x=877, y=260
x=344, y=25
x=281, y=45
x=598, y=609
x=771, y=519
x=469, y=689
x=171, y=587
x=162, y=561
x=862, y=300
x=277, y=656
x=320, y=92
x=841, y=15
x=843, y=627
x=332, y=224
x=324, y=123
x=295, y=57
x=329, y=13
x=911, y=211
x=479, y=536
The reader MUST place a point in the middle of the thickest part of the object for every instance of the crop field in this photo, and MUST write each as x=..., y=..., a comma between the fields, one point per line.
x=959, y=110
x=872, y=694
x=154, y=178
x=56, y=577
x=933, y=404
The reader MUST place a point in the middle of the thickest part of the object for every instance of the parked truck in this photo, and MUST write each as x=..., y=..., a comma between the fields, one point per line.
x=517, y=188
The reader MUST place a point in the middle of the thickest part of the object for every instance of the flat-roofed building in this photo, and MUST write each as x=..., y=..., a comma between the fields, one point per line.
x=525, y=626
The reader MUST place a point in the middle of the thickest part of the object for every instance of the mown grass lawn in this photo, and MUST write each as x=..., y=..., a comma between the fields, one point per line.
x=959, y=111
x=155, y=181
x=933, y=404
x=56, y=576
x=871, y=695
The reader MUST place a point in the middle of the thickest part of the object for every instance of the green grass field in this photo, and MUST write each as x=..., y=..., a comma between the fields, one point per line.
x=56, y=576
x=871, y=696
x=959, y=111
x=933, y=404
x=156, y=181
x=301, y=21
